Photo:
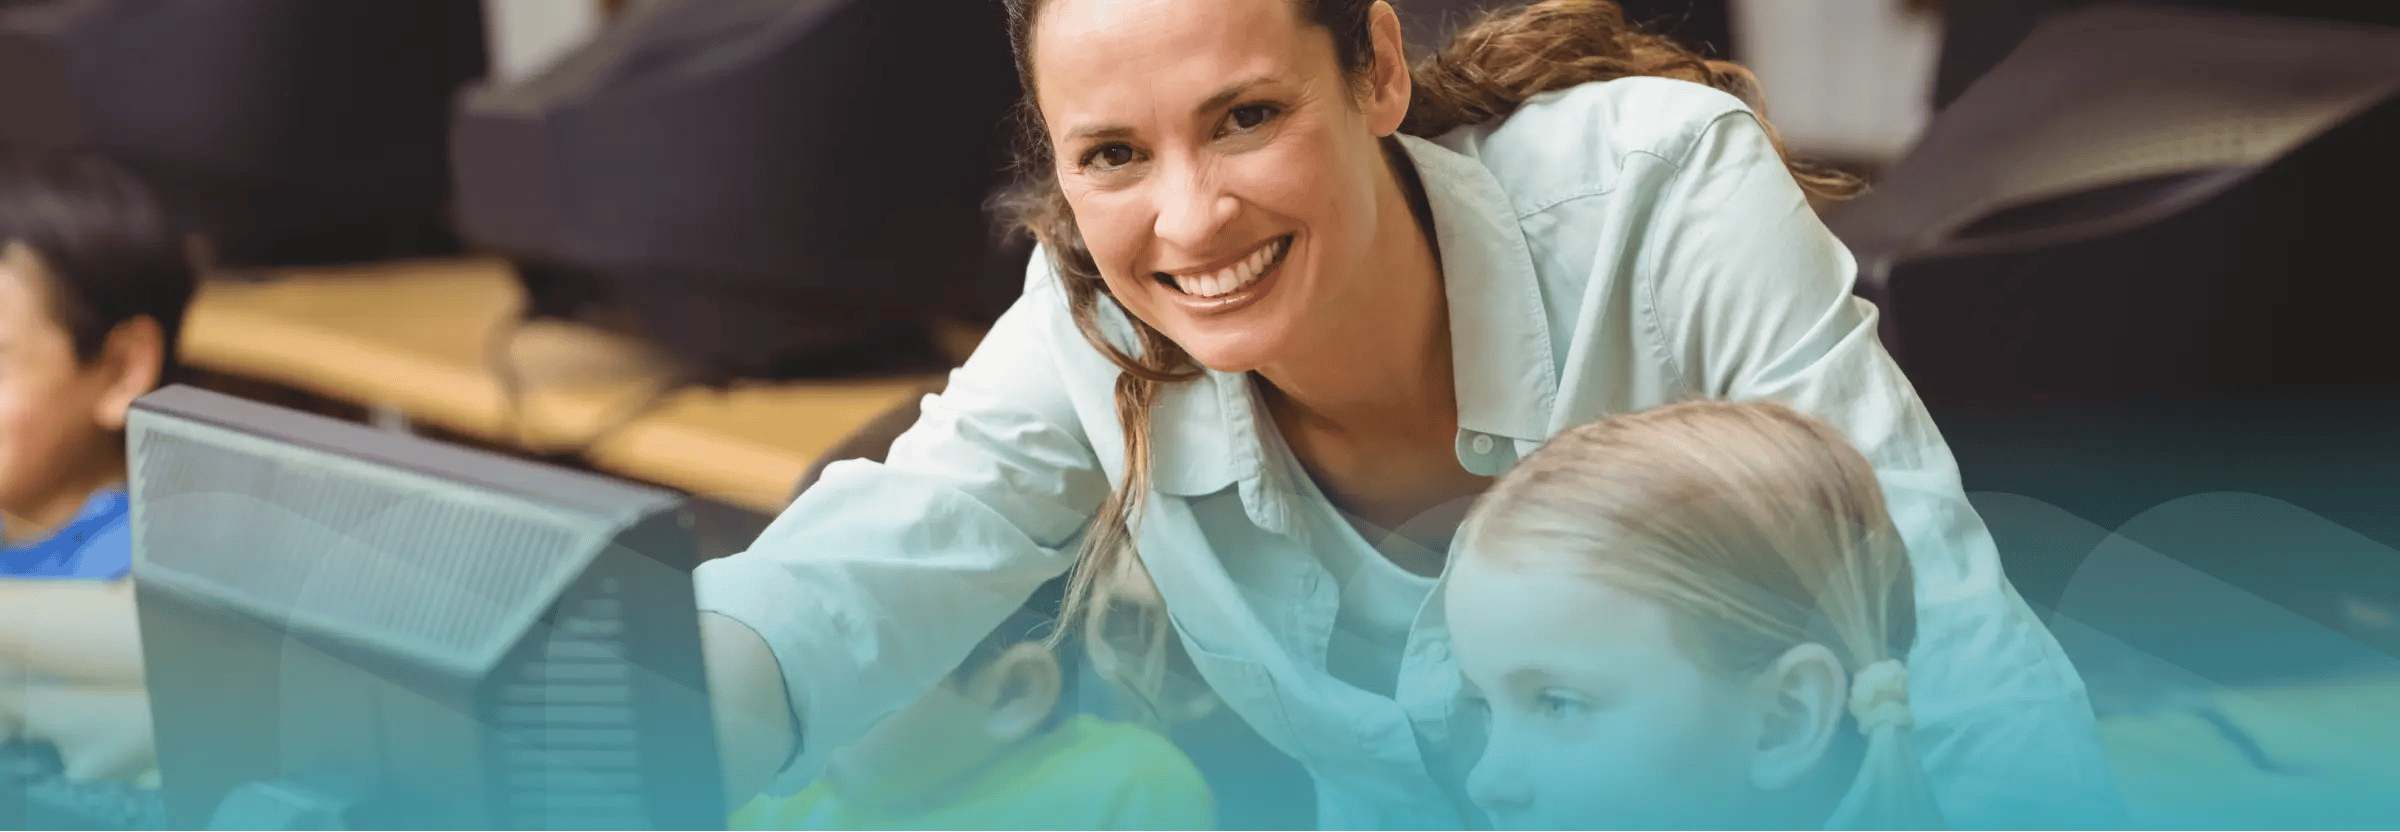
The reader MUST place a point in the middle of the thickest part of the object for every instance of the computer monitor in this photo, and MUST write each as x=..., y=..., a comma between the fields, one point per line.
x=346, y=627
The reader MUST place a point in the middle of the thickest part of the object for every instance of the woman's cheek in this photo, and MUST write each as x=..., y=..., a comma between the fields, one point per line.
x=1289, y=180
x=1115, y=236
x=1101, y=219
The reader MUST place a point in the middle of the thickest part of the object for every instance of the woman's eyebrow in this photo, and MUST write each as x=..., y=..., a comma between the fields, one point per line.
x=1222, y=98
x=1101, y=131
x=1225, y=96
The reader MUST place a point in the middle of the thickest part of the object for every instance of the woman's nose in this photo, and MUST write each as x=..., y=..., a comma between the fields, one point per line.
x=1192, y=210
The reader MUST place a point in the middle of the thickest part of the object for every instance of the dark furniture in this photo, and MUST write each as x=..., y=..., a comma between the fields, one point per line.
x=2132, y=272
x=289, y=131
x=766, y=190
x=2140, y=200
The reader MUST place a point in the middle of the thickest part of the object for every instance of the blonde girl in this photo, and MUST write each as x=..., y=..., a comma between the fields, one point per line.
x=1695, y=616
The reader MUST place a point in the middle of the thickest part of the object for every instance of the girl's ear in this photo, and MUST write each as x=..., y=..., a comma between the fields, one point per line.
x=1387, y=98
x=1020, y=689
x=1801, y=700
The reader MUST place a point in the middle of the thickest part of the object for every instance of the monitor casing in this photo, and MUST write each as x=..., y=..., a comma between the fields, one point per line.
x=345, y=627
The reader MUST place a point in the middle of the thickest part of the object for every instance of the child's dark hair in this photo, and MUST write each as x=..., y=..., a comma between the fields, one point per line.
x=111, y=253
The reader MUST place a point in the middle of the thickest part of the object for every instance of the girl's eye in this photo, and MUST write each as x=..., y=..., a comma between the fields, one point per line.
x=1250, y=116
x=1109, y=157
x=1557, y=706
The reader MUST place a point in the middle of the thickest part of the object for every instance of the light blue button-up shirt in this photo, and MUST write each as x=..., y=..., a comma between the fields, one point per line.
x=1605, y=249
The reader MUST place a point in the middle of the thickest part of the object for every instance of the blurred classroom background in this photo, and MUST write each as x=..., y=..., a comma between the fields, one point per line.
x=2129, y=252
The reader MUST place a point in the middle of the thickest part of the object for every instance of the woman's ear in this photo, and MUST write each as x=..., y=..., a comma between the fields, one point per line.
x=129, y=365
x=1802, y=699
x=1388, y=95
x=1020, y=690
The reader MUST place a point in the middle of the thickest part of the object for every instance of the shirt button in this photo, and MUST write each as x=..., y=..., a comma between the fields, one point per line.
x=1483, y=444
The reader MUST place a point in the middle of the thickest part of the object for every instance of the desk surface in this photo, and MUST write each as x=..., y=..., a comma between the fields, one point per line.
x=419, y=338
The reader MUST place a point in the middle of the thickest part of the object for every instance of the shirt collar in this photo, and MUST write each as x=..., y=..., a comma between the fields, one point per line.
x=1206, y=434
x=64, y=545
x=106, y=503
x=1500, y=344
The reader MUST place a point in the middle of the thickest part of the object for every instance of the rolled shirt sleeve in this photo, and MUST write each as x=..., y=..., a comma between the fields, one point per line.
x=876, y=582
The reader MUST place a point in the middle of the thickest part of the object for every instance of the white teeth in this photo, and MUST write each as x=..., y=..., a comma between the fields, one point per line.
x=1231, y=278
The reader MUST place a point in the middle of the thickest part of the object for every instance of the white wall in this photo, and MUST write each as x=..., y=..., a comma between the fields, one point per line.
x=527, y=35
x=1849, y=78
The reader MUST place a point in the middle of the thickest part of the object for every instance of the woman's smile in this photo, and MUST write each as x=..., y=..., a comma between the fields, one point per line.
x=1228, y=285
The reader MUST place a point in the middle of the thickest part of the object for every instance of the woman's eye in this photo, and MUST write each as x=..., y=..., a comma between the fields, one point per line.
x=1249, y=116
x=1109, y=157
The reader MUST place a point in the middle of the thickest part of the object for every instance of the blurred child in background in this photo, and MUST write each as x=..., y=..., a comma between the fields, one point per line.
x=1690, y=617
x=996, y=747
x=93, y=287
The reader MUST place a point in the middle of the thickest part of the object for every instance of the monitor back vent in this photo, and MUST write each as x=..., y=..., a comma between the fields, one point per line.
x=574, y=758
x=341, y=546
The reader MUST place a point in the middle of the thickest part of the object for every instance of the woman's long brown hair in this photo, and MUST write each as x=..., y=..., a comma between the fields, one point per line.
x=1490, y=68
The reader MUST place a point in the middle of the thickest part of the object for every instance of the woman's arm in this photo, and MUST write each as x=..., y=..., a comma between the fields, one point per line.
x=1753, y=299
x=80, y=632
x=880, y=578
x=753, y=712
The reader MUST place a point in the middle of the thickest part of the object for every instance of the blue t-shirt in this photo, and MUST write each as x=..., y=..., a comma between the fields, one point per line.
x=97, y=544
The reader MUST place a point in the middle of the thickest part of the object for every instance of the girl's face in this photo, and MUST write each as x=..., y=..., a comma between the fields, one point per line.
x=1592, y=714
x=1224, y=172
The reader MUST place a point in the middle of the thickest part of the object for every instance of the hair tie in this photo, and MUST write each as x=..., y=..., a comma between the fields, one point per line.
x=1879, y=697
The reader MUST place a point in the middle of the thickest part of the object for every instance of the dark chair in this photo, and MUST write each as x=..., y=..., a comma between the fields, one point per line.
x=2124, y=271
x=288, y=131
x=1978, y=34
x=767, y=190
x=2146, y=138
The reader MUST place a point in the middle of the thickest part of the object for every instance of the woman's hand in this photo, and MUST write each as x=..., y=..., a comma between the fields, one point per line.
x=755, y=730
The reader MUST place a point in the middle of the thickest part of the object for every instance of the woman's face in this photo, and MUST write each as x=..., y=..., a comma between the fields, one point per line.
x=1225, y=173
x=1592, y=715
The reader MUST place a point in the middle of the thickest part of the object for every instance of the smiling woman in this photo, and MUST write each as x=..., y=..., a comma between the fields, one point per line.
x=1189, y=219
x=1298, y=303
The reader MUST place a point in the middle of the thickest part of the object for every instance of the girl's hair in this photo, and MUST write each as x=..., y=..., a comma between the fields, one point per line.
x=1490, y=67
x=1759, y=530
